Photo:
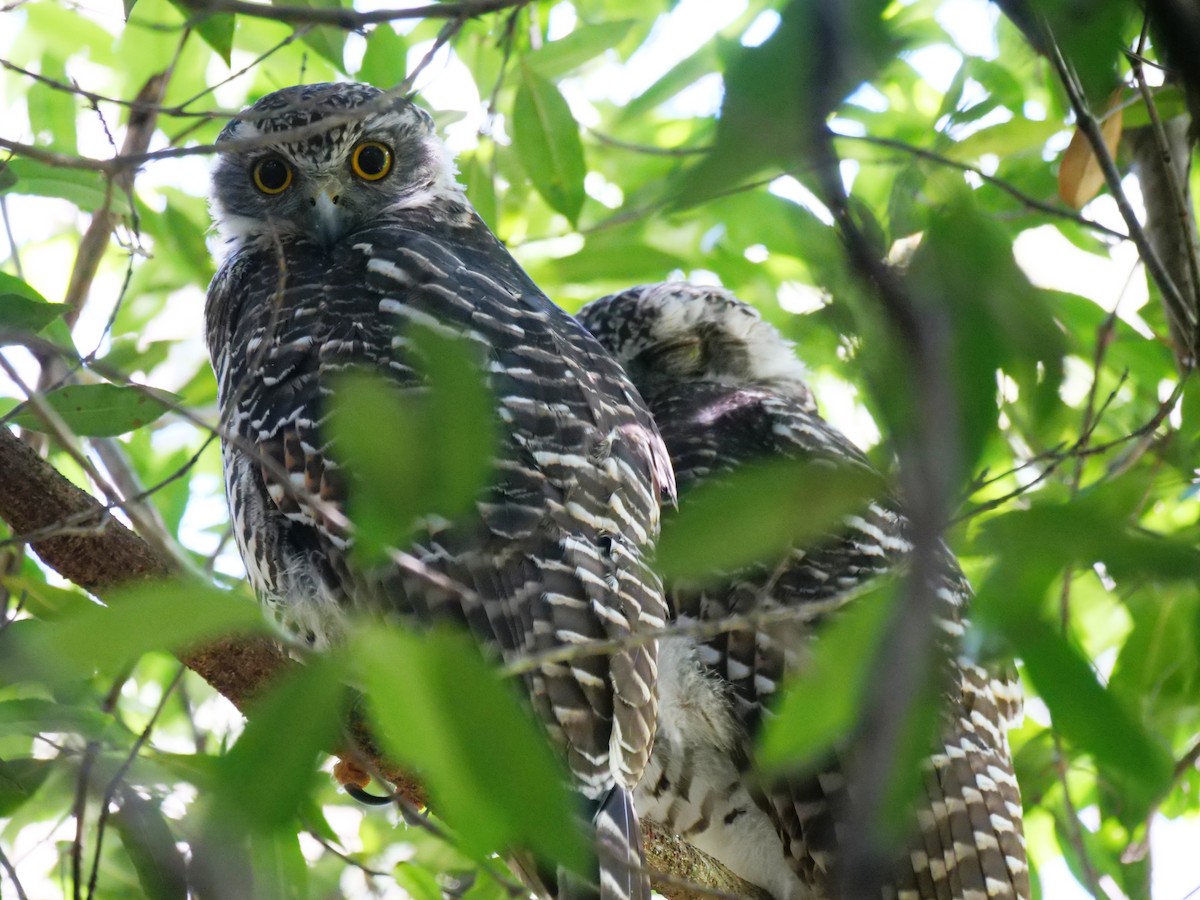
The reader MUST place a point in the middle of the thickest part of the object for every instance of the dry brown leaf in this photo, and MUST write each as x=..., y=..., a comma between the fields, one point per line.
x=1079, y=174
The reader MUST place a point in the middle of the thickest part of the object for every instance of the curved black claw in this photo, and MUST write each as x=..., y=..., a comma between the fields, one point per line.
x=366, y=796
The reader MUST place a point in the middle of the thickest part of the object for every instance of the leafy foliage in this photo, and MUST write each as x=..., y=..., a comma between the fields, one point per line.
x=607, y=142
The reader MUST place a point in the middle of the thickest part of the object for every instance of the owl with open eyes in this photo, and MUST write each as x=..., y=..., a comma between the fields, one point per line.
x=345, y=228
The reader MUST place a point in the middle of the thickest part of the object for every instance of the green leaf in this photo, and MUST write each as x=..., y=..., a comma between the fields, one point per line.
x=821, y=703
x=22, y=309
x=264, y=780
x=682, y=75
x=442, y=711
x=415, y=455
x=52, y=111
x=757, y=514
x=416, y=882
x=280, y=870
x=101, y=410
x=19, y=781
x=1091, y=37
x=84, y=188
x=964, y=275
x=568, y=53
x=46, y=601
x=139, y=618
x=216, y=28
x=36, y=716
x=129, y=5
x=1084, y=711
x=546, y=138
x=1093, y=526
x=328, y=41
x=778, y=93
x=1088, y=715
x=160, y=866
x=385, y=63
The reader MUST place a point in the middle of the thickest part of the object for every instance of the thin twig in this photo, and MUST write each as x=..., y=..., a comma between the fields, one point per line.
x=115, y=782
x=11, y=872
x=14, y=251
x=1049, y=209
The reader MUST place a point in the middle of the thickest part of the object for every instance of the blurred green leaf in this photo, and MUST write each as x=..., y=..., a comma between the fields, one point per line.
x=416, y=882
x=441, y=710
x=263, y=781
x=161, y=615
x=1084, y=711
x=964, y=277
x=758, y=513
x=52, y=110
x=777, y=93
x=327, y=40
x=46, y=601
x=821, y=703
x=1089, y=716
x=557, y=58
x=216, y=28
x=546, y=137
x=1090, y=33
x=160, y=865
x=415, y=455
x=100, y=410
x=35, y=716
x=22, y=309
x=280, y=871
x=385, y=63
x=681, y=75
x=20, y=779
x=84, y=188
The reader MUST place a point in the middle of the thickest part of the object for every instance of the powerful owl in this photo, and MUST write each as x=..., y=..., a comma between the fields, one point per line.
x=727, y=390
x=346, y=230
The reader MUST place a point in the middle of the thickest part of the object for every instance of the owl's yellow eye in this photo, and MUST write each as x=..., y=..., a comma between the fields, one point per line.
x=272, y=175
x=371, y=160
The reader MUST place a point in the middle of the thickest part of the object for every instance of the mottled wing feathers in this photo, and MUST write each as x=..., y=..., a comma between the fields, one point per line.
x=970, y=821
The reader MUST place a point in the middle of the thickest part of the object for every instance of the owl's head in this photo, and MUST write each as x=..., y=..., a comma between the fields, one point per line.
x=672, y=333
x=322, y=160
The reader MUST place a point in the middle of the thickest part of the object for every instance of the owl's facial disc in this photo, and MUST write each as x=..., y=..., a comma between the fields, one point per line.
x=322, y=161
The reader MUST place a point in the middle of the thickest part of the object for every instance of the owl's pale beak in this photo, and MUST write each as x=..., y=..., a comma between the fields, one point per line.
x=328, y=216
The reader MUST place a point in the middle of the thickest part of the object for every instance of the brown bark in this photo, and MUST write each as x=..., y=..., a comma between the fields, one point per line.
x=76, y=536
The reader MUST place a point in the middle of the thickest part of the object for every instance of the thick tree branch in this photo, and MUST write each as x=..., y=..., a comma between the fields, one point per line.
x=98, y=552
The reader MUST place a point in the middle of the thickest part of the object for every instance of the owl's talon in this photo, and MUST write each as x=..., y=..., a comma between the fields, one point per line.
x=354, y=778
x=366, y=797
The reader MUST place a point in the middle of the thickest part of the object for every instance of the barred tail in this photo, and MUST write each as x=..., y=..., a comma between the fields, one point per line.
x=620, y=862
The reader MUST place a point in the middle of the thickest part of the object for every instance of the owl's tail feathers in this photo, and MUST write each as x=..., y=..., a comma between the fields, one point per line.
x=623, y=874
x=619, y=868
x=620, y=872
